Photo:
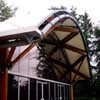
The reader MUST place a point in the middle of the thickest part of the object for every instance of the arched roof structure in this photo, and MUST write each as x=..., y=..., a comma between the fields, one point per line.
x=64, y=45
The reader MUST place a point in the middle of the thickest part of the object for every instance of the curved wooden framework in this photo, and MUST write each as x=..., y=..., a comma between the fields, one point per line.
x=64, y=46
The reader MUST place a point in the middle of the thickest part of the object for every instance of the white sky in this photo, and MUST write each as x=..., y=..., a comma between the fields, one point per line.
x=31, y=12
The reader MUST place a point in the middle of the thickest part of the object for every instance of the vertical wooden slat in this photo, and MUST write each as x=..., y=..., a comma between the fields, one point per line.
x=4, y=85
x=71, y=93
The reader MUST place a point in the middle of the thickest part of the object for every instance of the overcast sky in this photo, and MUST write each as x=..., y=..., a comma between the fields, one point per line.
x=31, y=12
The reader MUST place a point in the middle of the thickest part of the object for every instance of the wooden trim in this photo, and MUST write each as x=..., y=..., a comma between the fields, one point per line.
x=50, y=30
x=65, y=56
x=75, y=49
x=57, y=45
x=23, y=54
x=66, y=29
x=75, y=82
x=69, y=37
x=4, y=85
x=78, y=70
x=78, y=61
x=71, y=93
x=3, y=74
x=11, y=54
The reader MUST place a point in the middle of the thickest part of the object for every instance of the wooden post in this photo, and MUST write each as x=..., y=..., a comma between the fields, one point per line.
x=3, y=74
x=71, y=93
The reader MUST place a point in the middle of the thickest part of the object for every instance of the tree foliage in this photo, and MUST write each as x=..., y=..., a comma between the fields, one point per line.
x=84, y=22
x=45, y=68
x=92, y=37
x=5, y=11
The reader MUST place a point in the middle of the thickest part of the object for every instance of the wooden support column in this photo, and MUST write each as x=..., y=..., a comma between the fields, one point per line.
x=71, y=93
x=3, y=74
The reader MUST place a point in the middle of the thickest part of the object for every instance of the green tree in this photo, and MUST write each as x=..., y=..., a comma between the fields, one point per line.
x=97, y=34
x=84, y=22
x=5, y=11
x=92, y=38
x=45, y=68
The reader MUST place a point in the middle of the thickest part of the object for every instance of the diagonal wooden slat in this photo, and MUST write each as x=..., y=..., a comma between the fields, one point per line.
x=69, y=37
x=66, y=29
x=65, y=56
x=78, y=69
x=75, y=49
x=49, y=31
x=23, y=53
x=78, y=61
x=56, y=43
x=11, y=54
x=75, y=81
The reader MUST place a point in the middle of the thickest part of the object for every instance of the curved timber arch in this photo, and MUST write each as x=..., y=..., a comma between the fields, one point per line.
x=65, y=47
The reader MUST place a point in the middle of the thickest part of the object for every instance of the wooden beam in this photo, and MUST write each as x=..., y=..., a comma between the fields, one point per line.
x=3, y=74
x=49, y=31
x=78, y=61
x=69, y=37
x=78, y=70
x=11, y=54
x=66, y=29
x=75, y=81
x=57, y=45
x=4, y=85
x=23, y=54
x=75, y=49
x=80, y=74
x=71, y=93
x=69, y=68
x=65, y=56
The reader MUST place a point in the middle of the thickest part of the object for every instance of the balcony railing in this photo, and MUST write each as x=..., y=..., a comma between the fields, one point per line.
x=24, y=87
